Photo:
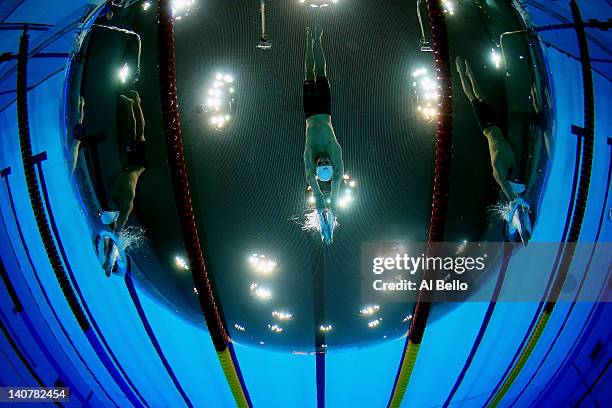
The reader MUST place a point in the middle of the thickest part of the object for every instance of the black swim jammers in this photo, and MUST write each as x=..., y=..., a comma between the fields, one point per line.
x=78, y=132
x=317, y=97
x=485, y=115
x=136, y=153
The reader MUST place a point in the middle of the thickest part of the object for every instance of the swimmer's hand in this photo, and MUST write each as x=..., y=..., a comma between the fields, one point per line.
x=327, y=220
x=502, y=161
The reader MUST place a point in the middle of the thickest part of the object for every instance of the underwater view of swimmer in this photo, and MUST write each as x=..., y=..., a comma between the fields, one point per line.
x=322, y=152
x=124, y=188
x=502, y=157
x=78, y=135
x=121, y=203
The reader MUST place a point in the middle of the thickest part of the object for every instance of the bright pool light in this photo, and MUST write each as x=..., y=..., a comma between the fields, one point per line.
x=348, y=187
x=369, y=310
x=181, y=263
x=146, y=5
x=374, y=323
x=419, y=72
x=496, y=58
x=325, y=328
x=425, y=94
x=218, y=121
x=260, y=292
x=345, y=200
x=262, y=264
x=124, y=73
x=220, y=100
x=181, y=8
x=239, y=327
x=282, y=315
x=448, y=7
x=405, y=319
x=318, y=3
x=275, y=328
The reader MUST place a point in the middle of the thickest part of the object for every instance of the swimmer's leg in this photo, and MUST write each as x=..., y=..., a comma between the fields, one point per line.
x=465, y=84
x=131, y=118
x=76, y=142
x=309, y=65
x=320, y=63
x=139, y=117
x=81, y=109
x=475, y=88
x=75, y=145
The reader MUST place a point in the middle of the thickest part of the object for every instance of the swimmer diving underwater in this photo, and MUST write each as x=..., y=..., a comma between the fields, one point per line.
x=322, y=152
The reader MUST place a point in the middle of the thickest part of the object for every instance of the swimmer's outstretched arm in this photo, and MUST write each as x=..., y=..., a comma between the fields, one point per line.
x=336, y=183
x=502, y=159
x=124, y=214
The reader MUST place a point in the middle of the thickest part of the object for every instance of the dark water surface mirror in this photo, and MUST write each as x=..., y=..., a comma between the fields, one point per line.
x=240, y=83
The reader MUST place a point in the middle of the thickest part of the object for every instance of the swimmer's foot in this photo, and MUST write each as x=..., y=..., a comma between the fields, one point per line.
x=125, y=99
x=309, y=37
x=468, y=71
x=459, y=64
x=134, y=96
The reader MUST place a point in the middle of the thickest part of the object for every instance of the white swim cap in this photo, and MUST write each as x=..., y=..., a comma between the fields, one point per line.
x=325, y=172
x=108, y=217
